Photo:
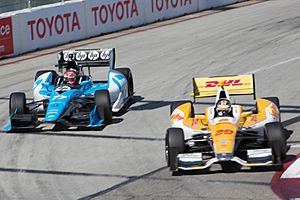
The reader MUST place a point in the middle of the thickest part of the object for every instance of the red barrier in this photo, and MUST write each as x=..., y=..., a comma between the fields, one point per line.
x=286, y=188
x=6, y=36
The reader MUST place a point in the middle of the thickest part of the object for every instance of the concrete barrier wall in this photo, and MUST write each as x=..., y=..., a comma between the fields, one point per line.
x=60, y=23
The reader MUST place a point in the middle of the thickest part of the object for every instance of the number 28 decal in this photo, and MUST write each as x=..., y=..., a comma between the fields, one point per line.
x=223, y=131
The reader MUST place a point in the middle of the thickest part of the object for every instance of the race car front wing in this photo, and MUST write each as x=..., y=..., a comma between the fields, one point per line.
x=255, y=157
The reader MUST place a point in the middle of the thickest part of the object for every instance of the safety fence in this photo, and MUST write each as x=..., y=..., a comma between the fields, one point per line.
x=13, y=5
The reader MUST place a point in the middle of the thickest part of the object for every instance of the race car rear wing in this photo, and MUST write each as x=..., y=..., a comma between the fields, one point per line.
x=235, y=85
x=88, y=58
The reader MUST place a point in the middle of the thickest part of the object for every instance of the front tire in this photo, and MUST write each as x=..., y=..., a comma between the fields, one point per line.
x=103, y=106
x=17, y=103
x=276, y=140
x=175, y=145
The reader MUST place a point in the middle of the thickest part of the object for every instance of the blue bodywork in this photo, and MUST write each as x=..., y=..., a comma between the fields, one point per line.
x=59, y=101
x=61, y=98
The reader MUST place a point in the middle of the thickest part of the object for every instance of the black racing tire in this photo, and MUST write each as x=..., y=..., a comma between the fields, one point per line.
x=174, y=105
x=17, y=101
x=174, y=145
x=274, y=100
x=276, y=140
x=128, y=75
x=103, y=106
x=39, y=73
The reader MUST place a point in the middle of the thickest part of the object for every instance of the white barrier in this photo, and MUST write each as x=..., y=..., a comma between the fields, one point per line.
x=53, y=26
x=111, y=15
x=208, y=4
x=165, y=9
x=59, y=23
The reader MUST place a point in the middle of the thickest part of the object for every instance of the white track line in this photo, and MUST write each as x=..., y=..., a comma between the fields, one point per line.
x=293, y=171
x=275, y=65
x=295, y=145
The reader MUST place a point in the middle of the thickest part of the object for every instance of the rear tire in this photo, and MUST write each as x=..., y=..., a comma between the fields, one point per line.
x=175, y=145
x=176, y=104
x=128, y=75
x=103, y=106
x=17, y=102
x=276, y=140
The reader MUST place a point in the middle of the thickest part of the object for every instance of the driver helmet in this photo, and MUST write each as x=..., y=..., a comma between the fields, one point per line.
x=70, y=77
x=223, y=107
x=72, y=65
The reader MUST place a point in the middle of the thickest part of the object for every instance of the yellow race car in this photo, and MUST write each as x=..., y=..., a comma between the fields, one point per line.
x=225, y=133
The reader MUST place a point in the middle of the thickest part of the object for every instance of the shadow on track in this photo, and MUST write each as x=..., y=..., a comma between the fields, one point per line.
x=70, y=173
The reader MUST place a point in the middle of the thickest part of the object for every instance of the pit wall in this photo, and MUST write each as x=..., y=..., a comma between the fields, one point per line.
x=41, y=27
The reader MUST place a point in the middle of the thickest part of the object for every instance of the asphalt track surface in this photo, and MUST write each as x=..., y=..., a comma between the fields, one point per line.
x=126, y=159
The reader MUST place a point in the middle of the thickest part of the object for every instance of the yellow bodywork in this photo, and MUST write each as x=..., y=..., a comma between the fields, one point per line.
x=223, y=133
x=262, y=104
x=235, y=85
x=223, y=136
x=197, y=123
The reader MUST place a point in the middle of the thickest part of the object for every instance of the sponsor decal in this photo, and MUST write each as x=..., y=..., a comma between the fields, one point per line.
x=273, y=110
x=116, y=11
x=160, y=5
x=177, y=117
x=68, y=56
x=60, y=97
x=195, y=122
x=93, y=55
x=81, y=55
x=254, y=118
x=224, y=141
x=53, y=25
x=105, y=55
x=224, y=120
x=223, y=131
x=210, y=84
x=6, y=36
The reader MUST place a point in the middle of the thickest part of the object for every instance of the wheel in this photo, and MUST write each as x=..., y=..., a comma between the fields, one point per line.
x=174, y=105
x=17, y=101
x=103, y=106
x=39, y=73
x=276, y=140
x=274, y=100
x=174, y=145
x=128, y=75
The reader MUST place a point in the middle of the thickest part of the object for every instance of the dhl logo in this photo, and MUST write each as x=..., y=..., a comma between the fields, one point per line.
x=210, y=84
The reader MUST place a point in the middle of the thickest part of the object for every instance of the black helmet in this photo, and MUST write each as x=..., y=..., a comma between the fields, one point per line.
x=72, y=65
